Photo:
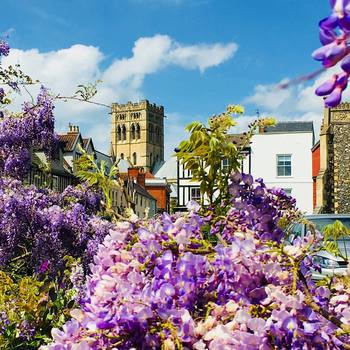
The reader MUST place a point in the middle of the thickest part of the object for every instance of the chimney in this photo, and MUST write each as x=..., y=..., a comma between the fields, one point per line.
x=73, y=129
x=133, y=172
x=262, y=129
x=141, y=177
x=138, y=174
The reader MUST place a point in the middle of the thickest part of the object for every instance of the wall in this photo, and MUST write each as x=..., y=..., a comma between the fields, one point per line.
x=265, y=148
x=315, y=171
x=160, y=194
x=333, y=180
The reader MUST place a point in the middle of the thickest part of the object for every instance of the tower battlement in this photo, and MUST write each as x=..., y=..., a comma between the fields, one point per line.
x=137, y=106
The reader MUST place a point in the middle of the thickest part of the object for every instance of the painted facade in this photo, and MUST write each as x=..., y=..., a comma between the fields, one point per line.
x=282, y=156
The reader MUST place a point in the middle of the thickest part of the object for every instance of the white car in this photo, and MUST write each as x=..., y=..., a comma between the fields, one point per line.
x=330, y=265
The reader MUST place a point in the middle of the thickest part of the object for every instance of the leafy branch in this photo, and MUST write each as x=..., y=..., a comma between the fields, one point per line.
x=97, y=175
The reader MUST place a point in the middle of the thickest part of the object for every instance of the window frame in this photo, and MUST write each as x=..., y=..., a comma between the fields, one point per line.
x=195, y=198
x=283, y=165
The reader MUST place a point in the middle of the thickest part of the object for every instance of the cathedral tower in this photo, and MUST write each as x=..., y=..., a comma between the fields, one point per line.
x=333, y=180
x=138, y=133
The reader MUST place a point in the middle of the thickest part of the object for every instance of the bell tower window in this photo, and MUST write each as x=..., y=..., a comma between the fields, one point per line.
x=123, y=132
x=133, y=132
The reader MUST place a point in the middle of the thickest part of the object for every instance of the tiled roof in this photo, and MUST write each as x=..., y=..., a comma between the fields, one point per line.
x=168, y=169
x=143, y=192
x=68, y=140
x=291, y=126
x=85, y=142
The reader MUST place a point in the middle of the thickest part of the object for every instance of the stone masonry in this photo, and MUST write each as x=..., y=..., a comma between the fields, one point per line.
x=333, y=180
x=138, y=133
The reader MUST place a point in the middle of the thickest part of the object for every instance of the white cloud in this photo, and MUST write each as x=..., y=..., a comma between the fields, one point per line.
x=202, y=56
x=64, y=69
x=293, y=103
x=269, y=96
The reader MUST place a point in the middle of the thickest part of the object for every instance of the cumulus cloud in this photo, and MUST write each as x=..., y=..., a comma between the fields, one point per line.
x=293, y=103
x=269, y=96
x=123, y=78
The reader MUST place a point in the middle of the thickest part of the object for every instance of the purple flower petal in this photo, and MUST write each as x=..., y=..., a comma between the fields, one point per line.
x=247, y=179
x=342, y=80
x=334, y=98
x=327, y=87
x=345, y=65
x=326, y=36
x=329, y=23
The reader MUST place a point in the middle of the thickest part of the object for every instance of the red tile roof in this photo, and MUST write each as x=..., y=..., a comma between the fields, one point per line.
x=68, y=140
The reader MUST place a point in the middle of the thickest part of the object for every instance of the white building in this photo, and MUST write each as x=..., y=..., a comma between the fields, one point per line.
x=282, y=156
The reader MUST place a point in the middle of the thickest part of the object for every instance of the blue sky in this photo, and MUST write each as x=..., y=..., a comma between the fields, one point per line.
x=192, y=56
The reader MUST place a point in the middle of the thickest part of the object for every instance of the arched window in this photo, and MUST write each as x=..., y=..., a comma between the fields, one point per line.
x=121, y=155
x=134, y=158
x=123, y=133
x=133, y=132
x=151, y=159
x=138, y=131
x=119, y=133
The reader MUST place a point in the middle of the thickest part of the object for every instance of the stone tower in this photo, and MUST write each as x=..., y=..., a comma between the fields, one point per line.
x=333, y=180
x=138, y=133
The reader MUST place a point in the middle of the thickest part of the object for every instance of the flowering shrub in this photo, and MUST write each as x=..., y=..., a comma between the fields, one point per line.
x=38, y=228
x=334, y=36
x=41, y=232
x=161, y=285
x=34, y=128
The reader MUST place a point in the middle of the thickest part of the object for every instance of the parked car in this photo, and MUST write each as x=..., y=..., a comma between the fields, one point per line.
x=330, y=265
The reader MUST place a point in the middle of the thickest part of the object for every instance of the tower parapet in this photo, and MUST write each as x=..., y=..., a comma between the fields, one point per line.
x=135, y=106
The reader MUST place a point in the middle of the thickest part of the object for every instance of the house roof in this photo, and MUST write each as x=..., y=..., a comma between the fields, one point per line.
x=291, y=126
x=68, y=140
x=123, y=165
x=168, y=169
x=142, y=191
x=86, y=143
x=157, y=183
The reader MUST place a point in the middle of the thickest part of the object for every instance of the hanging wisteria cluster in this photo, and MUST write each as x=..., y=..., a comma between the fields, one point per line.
x=23, y=132
x=334, y=36
x=39, y=228
x=161, y=285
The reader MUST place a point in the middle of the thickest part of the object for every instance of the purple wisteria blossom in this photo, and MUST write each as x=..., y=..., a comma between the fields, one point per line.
x=48, y=226
x=160, y=285
x=334, y=36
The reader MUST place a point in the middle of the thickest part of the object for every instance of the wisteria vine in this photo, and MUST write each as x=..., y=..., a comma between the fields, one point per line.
x=161, y=285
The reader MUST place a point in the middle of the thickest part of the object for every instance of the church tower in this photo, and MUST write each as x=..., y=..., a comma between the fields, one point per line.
x=333, y=179
x=138, y=133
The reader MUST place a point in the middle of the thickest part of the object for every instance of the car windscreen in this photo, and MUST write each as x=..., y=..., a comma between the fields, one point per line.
x=320, y=223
